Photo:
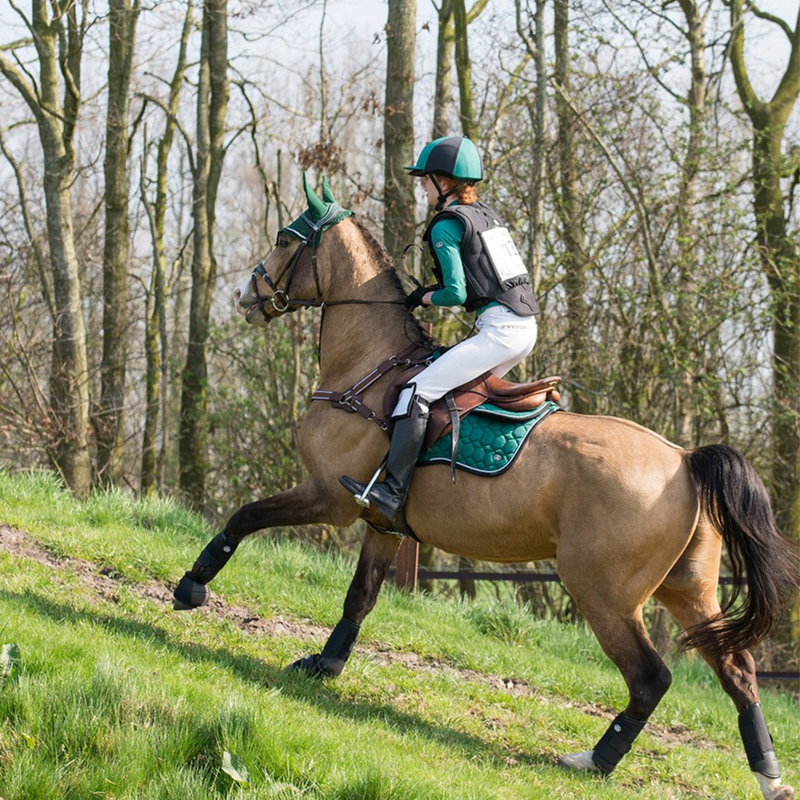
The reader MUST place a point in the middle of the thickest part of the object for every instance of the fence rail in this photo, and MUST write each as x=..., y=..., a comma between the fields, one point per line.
x=517, y=577
x=407, y=573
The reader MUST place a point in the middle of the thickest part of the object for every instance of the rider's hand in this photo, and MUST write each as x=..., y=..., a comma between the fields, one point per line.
x=415, y=299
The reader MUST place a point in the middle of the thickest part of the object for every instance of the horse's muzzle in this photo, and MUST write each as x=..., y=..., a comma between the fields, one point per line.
x=249, y=307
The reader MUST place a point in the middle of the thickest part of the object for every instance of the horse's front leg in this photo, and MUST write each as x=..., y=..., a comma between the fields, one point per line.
x=305, y=504
x=377, y=552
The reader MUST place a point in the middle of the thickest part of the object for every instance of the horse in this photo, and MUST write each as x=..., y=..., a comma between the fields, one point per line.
x=626, y=514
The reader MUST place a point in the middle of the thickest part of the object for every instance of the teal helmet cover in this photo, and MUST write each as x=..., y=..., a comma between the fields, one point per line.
x=455, y=156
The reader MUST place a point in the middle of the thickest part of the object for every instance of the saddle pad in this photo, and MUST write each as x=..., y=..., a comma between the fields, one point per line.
x=491, y=439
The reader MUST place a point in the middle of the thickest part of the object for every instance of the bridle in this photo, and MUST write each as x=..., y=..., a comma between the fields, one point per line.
x=280, y=300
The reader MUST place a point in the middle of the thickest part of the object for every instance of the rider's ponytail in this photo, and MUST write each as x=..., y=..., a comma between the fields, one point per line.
x=466, y=193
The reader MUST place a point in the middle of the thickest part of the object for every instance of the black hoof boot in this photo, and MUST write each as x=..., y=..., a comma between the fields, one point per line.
x=192, y=591
x=189, y=594
x=330, y=662
x=318, y=666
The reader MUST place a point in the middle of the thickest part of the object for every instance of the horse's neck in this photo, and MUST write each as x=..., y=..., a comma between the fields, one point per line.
x=357, y=337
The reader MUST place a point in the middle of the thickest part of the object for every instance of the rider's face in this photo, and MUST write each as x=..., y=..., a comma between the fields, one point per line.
x=430, y=189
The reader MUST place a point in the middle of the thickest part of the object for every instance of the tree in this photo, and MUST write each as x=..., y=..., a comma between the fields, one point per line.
x=443, y=95
x=58, y=39
x=686, y=351
x=156, y=343
x=464, y=71
x=570, y=212
x=399, y=222
x=109, y=419
x=534, y=44
x=212, y=104
x=779, y=254
x=688, y=320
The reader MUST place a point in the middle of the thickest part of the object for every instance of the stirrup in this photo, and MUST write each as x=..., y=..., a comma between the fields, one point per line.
x=363, y=498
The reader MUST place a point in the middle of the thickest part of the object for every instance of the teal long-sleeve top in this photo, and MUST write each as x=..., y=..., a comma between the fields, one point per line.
x=446, y=236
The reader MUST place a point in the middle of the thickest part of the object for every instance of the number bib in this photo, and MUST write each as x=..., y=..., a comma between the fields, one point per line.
x=503, y=253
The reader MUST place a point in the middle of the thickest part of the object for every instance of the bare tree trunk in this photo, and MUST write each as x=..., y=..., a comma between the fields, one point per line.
x=469, y=125
x=109, y=421
x=212, y=103
x=59, y=44
x=156, y=353
x=686, y=350
x=398, y=191
x=539, y=149
x=780, y=260
x=571, y=213
x=443, y=96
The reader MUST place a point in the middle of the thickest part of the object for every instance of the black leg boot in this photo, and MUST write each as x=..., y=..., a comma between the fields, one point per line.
x=389, y=494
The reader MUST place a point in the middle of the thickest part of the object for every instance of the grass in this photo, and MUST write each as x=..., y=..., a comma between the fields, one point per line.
x=114, y=695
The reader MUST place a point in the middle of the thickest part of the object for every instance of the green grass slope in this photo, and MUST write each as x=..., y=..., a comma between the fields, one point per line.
x=106, y=692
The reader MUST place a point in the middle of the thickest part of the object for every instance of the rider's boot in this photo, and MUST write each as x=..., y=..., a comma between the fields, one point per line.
x=389, y=494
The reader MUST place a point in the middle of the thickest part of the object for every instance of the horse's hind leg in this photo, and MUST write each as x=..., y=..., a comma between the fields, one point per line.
x=692, y=599
x=377, y=552
x=625, y=642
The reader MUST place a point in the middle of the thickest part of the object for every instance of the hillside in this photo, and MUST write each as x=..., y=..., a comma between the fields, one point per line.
x=106, y=692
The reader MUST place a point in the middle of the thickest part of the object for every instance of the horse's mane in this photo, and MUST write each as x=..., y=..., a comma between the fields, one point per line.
x=378, y=253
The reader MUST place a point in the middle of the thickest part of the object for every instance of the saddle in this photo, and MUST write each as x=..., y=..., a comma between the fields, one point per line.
x=486, y=388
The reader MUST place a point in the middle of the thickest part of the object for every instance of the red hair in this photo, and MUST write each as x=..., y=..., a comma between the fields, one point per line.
x=465, y=193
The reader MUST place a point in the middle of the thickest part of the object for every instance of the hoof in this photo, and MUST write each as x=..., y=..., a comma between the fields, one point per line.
x=317, y=666
x=581, y=762
x=773, y=789
x=189, y=594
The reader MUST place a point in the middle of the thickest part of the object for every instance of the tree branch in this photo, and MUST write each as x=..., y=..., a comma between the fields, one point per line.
x=641, y=211
x=781, y=23
x=39, y=256
x=29, y=95
x=477, y=9
x=752, y=103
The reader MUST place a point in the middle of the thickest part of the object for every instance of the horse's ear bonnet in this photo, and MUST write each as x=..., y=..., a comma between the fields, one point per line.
x=316, y=207
x=321, y=214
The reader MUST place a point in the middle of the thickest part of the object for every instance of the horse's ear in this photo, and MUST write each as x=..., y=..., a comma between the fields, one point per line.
x=315, y=205
x=327, y=194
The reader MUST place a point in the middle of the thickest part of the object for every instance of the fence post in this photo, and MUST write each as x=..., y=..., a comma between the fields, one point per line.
x=407, y=565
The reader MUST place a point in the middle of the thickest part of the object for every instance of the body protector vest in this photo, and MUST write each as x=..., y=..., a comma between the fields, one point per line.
x=493, y=268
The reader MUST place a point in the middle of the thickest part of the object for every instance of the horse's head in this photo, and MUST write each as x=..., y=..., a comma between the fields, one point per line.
x=288, y=278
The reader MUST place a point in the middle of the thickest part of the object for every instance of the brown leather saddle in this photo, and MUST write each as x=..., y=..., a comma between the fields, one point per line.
x=486, y=388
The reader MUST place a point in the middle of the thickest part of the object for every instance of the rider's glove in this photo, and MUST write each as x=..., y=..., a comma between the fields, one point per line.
x=414, y=300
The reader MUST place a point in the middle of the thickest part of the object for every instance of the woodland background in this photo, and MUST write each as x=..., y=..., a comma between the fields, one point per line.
x=646, y=156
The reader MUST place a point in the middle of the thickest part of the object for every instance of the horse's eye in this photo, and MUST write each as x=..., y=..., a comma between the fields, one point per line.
x=283, y=240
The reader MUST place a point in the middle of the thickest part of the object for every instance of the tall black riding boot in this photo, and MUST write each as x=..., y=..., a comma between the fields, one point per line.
x=409, y=433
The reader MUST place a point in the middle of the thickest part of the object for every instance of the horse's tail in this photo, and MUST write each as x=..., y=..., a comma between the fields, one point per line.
x=734, y=499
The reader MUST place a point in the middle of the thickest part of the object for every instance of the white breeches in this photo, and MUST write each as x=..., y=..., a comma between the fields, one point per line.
x=502, y=341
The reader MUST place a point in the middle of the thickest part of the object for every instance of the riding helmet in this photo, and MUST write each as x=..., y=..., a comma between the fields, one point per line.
x=454, y=156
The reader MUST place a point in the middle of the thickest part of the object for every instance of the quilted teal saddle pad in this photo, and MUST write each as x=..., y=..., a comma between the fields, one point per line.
x=491, y=439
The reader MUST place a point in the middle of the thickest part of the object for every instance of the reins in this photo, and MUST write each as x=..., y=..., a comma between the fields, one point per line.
x=280, y=300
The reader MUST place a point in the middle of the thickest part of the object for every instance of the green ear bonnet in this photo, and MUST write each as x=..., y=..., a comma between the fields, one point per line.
x=321, y=215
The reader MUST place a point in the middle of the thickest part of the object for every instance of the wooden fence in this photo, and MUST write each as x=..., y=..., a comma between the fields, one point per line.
x=407, y=574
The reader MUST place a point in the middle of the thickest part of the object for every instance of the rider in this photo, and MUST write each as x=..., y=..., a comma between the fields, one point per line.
x=476, y=266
